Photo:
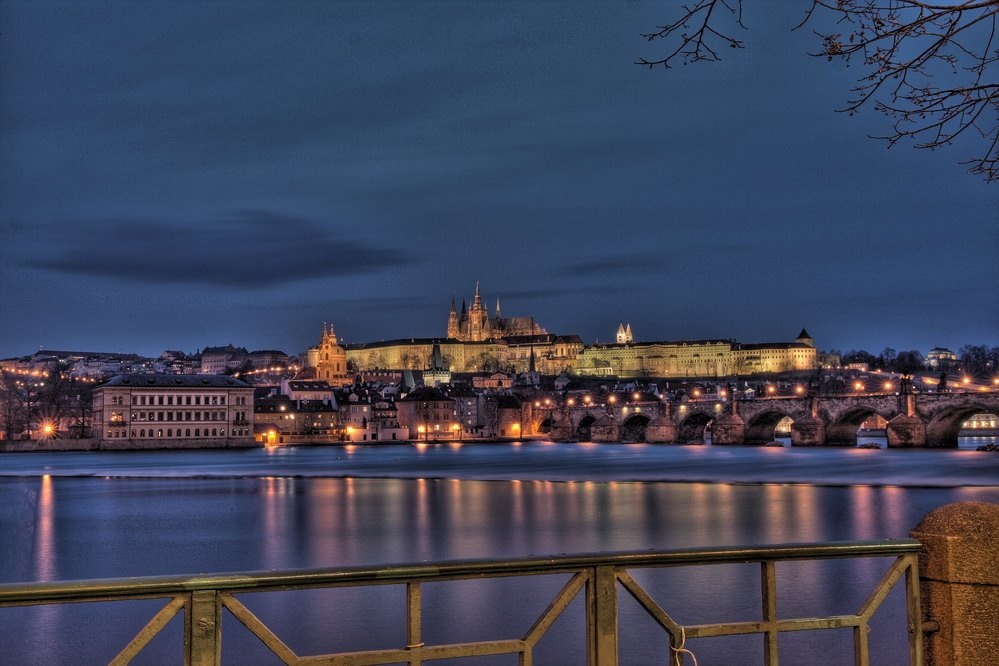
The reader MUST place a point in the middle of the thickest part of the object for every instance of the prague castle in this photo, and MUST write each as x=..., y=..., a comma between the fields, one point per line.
x=475, y=325
x=477, y=342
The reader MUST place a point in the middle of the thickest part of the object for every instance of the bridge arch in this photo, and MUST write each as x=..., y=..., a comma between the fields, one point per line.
x=583, y=428
x=633, y=428
x=843, y=431
x=761, y=428
x=694, y=427
x=546, y=424
x=942, y=429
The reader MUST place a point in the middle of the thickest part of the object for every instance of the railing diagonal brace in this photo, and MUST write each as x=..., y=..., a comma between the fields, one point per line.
x=880, y=593
x=556, y=608
x=259, y=629
x=148, y=632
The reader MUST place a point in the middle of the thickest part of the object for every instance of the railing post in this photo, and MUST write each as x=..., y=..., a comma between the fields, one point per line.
x=601, y=597
x=203, y=629
x=768, y=585
x=959, y=583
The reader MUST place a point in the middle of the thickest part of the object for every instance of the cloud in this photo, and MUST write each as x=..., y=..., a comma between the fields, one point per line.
x=248, y=249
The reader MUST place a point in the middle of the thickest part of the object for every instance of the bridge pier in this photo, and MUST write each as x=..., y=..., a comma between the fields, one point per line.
x=809, y=430
x=605, y=430
x=729, y=429
x=662, y=430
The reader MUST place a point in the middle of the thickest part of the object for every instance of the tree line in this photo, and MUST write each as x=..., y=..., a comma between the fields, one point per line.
x=974, y=360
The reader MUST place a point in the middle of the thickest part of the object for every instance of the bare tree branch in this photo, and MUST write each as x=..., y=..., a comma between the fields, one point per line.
x=931, y=68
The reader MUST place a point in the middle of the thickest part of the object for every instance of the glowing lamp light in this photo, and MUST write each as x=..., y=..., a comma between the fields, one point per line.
x=799, y=389
x=612, y=399
x=421, y=429
x=771, y=389
x=548, y=401
x=48, y=429
x=587, y=399
x=966, y=380
x=696, y=393
x=859, y=386
x=636, y=395
x=888, y=386
x=570, y=402
x=723, y=393
x=537, y=403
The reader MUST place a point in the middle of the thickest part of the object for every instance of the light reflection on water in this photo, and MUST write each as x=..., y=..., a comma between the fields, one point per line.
x=64, y=528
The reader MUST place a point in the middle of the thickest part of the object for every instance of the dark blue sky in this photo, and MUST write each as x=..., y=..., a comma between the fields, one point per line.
x=175, y=175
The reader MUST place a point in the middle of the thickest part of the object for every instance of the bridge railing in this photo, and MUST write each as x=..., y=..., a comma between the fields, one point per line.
x=598, y=577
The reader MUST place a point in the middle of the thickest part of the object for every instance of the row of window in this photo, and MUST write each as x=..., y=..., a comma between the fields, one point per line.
x=174, y=416
x=180, y=400
x=185, y=432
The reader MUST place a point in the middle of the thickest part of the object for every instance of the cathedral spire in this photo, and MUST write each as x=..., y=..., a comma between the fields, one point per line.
x=477, y=300
x=497, y=307
x=453, y=310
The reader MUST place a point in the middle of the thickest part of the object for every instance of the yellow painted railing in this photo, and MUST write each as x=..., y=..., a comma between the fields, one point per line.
x=599, y=577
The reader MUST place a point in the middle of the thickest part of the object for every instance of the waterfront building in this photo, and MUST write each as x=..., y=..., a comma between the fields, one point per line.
x=428, y=414
x=157, y=411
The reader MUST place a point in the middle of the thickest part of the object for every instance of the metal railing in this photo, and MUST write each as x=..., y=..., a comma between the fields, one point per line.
x=599, y=576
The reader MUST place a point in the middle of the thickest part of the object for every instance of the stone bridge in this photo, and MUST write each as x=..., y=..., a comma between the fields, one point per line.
x=914, y=419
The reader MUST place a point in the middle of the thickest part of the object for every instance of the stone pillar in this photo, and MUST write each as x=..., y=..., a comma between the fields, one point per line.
x=906, y=431
x=662, y=430
x=959, y=583
x=562, y=430
x=605, y=429
x=809, y=430
x=729, y=428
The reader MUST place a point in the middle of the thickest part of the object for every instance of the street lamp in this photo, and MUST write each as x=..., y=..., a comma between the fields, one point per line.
x=422, y=429
x=858, y=386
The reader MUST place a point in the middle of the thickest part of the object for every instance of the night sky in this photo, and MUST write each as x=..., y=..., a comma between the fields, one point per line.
x=176, y=175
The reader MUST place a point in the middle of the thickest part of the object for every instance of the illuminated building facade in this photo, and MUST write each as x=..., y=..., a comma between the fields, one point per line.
x=176, y=411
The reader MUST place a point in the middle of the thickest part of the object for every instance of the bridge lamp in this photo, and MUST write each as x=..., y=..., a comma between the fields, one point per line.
x=887, y=386
x=612, y=399
x=799, y=389
x=966, y=380
x=587, y=399
x=537, y=403
x=548, y=402
x=696, y=393
x=771, y=390
x=995, y=382
x=636, y=396
x=48, y=429
x=723, y=393
x=859, y=386
x=570, y=402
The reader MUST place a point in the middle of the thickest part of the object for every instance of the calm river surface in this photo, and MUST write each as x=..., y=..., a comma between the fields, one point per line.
x=73, y=515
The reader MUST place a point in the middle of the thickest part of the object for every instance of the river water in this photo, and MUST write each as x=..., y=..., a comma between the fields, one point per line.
x=74, y=515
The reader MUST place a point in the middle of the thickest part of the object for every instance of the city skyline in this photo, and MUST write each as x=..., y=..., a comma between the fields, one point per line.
x=241, y=173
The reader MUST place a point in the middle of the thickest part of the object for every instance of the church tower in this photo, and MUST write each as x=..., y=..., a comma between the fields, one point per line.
x=453, y=326
x=477, y=318
x=620, y=337
x=628, y=337
x=331, y=363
